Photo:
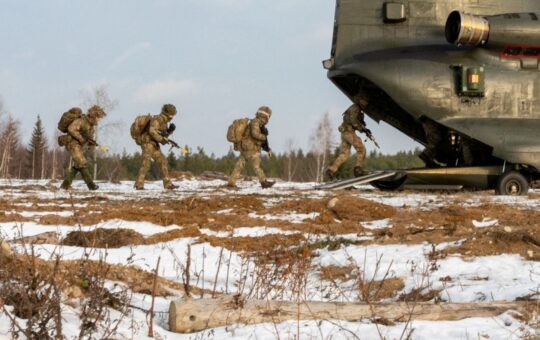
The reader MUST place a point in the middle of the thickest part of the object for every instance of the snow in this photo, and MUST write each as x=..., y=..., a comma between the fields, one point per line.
x=248, y=232
x=380, y=224
x=457, y=278
x=292, y=217
x=486, y=222
x=13, y=230
x=173, y=254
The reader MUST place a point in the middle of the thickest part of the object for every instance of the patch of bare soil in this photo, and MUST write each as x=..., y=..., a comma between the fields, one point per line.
x=369, y=290
x=191, y=210
x=351, y=208
x=44, y=238
x=341, y=273
x=103, y=238
x=181, y=175
x=446, y=224
x=254, y=244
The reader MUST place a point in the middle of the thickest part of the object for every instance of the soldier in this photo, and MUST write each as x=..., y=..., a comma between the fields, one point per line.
x=434, y=138
x=80, y=133
x=156, y=133
x=254, y=139
x=353, y=120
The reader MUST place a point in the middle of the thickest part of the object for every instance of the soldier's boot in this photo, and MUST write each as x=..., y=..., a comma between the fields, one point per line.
x=428, y=161
x=267, y=184
x=70, y=176
x=330, y=175
x=167, y=184
x=87, y=177
x=232, y=185
x=358, y=171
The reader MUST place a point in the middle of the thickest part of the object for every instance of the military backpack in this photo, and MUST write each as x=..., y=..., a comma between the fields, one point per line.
x=139, y=127
x=237, y=130
x=68, y=118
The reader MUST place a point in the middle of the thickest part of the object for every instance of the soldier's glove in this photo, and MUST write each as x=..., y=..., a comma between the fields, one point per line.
x=164, y=141
x=171, y=129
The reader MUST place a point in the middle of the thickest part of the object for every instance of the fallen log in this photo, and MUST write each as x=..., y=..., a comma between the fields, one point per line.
x=188, y=316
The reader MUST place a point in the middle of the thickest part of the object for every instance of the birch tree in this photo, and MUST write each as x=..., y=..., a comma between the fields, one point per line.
x=9, y=147
x=100, y=96
x=322, y=141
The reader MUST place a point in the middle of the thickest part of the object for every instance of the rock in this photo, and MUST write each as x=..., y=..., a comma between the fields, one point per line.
x=508, y=229
x=332, y=203
x=530, y=253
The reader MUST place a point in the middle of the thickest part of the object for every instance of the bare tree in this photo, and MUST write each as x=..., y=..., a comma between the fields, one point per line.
x=322, y=141
x=292, y=165
x=9, y=146
x=99, y=95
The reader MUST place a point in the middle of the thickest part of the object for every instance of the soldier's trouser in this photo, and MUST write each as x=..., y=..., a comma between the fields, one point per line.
x=152, y=151
x=433, y=138
x=68, y=179
x=255, y=158
x=348, y=139
x=76, y=152
x=79, y=163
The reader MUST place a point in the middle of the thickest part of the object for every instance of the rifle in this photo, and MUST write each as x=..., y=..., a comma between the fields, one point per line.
x=173, y=145
x=369, y=135
x=92, y=142
x=266, y=146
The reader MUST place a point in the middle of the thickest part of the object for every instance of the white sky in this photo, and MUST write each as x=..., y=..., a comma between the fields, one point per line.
x=216, y=60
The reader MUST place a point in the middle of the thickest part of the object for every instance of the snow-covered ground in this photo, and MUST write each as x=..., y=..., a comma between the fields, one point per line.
x=456, y=278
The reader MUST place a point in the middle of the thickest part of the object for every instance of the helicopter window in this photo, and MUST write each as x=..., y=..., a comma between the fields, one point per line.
x=512, y=51
x=531, y=52
x=517, y=52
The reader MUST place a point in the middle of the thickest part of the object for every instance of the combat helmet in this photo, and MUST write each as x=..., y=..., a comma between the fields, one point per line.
x=96, y=112
x=264, y=111
x=168, y=110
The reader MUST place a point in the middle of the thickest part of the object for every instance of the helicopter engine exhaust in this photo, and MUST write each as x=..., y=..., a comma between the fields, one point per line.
x=467, y=29
x=515, y=29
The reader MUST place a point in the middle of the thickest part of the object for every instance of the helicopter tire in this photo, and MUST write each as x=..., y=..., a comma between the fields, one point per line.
x=391, y=185
x=512, y=183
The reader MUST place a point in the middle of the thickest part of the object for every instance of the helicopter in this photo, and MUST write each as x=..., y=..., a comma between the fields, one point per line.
x=460, y=77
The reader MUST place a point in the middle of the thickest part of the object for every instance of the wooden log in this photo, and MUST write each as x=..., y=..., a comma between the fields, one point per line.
x=188, y=316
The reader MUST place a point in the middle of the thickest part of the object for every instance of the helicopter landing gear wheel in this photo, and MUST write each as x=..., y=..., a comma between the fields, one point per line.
x=389, y=185
x=512, y=183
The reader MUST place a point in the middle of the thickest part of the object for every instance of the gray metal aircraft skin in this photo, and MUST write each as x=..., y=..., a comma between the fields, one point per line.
x=406, y=70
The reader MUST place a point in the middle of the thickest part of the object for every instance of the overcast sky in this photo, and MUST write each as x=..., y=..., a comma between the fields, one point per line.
x=216, y=60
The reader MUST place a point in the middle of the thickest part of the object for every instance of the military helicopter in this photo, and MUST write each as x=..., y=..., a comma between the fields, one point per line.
x=458, y=76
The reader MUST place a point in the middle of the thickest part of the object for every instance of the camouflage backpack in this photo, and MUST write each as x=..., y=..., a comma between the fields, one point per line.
x=68, y=118
x=237, y=130
x=139, y=127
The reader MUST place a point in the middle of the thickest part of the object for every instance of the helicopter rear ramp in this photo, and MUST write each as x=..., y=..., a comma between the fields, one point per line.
x=349, y=183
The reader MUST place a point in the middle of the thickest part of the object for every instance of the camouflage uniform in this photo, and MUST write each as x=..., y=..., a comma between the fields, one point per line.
x=80, y=134
x=353, y=120
x=156, y=134
x=434, y=137
x=250, y=148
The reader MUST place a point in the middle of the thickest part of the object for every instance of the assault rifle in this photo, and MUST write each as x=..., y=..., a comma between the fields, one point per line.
x=266, y=146
x=173, y=145
x=92, y=142
x=369, y=135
